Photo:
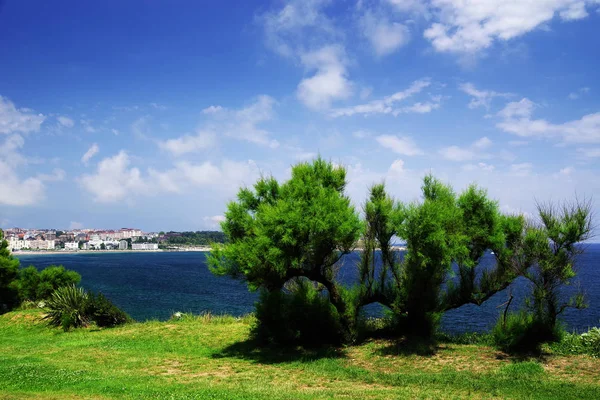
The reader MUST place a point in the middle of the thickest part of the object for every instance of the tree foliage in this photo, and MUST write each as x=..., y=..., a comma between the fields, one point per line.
x=299, y=228
x=35, y=285
x=9, y=269
x=287, y=239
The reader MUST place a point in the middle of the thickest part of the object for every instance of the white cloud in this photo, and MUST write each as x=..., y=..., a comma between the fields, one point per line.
x=14, y=190
x=401, y=145
x=115, y=132
x=516, y=119
x=473, y=152
x=114, y=180
x=480, y=98
x=482, y=143
x=17, y=192
x=244, y=123
x=384, y=35
x=212, y=110
x=225, y=178
x=92, y=151
x=397, y=167
x=387, y=104
x=578, y=93
x=468, y=26
x=13, y=119
x=286, y=29
x=189, y=144
x=87, y=125
x=66, y=121
x=330, y=80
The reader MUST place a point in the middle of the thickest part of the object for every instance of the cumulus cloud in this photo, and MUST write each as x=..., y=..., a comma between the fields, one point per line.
x=329, y=81
x=516, y=118
x=401, y=145
x=92, y=151
x=22, y=120
x=384, y=35
x=189, y=144
x=114, y=180
x=472, y=25
x=15, y=190
x=388, y=105
x=212, y=110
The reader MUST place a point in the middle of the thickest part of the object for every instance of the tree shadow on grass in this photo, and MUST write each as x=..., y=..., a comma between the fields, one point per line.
x=409, y=346
x=271, y=354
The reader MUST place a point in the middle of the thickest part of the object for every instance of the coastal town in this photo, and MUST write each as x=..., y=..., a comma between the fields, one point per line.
x=82, y=239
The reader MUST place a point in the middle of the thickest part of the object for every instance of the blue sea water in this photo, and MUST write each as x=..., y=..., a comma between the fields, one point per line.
x=155, y=285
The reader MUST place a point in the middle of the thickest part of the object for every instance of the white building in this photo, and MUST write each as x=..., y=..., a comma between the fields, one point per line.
x=40, y=244
x=144, y=246
x=71, y=246
x=14, y=243
x=123, y=245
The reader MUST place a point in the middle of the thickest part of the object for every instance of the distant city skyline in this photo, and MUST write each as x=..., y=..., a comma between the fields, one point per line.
x=154, y=114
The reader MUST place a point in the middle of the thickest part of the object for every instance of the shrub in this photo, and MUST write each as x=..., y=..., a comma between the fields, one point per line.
x=104, y=313
x=73, y=307
x=591, y=340
x=301, y=316
x=68, y=307
x=522, y=332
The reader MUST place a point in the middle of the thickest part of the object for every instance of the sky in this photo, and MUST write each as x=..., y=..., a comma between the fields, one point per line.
x=152, y=114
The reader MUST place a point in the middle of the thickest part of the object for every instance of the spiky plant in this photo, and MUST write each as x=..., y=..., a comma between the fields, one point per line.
x=68, y=307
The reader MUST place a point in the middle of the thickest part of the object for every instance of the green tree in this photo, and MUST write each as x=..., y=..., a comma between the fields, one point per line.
x=102, y=246
x=552, y=246
x=9, y=269
x=298, y=229
x=35, y=285
x=434, y=235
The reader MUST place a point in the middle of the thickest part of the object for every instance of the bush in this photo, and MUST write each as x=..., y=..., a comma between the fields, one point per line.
x=591, y=340
x=68, y=307
x=73, y=307
x=522, y=332
x=301, y=316
x=104, y=313
x=35, y=286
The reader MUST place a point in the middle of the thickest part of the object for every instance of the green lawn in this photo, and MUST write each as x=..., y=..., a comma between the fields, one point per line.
x=207, y=357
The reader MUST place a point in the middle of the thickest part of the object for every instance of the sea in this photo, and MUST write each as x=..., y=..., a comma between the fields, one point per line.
x=155, y=285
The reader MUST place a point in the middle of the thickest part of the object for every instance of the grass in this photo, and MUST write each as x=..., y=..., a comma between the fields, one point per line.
x=210, y=357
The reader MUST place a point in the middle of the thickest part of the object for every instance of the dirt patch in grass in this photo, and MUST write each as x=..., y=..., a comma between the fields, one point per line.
x=457, y=357
x=574, y=368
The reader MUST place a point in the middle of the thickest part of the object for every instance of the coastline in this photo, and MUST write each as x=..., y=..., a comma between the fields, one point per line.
x=67, y=252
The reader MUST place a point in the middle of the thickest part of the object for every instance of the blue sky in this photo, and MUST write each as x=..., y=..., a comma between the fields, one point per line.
x=153, y=114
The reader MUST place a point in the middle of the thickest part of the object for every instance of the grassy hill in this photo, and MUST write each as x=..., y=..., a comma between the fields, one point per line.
x=211, y=358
